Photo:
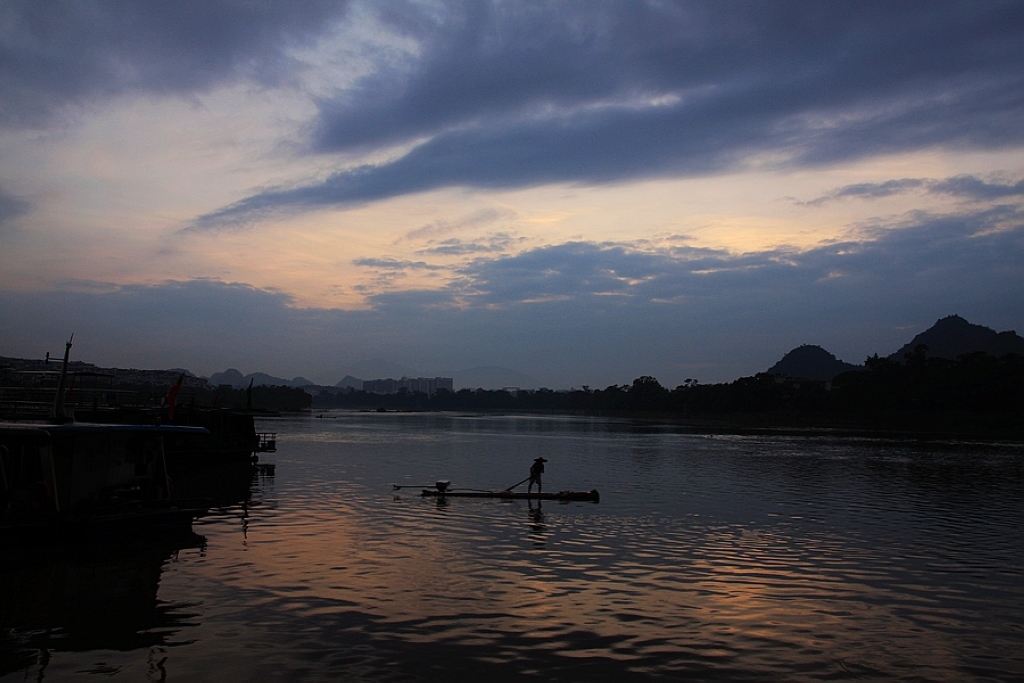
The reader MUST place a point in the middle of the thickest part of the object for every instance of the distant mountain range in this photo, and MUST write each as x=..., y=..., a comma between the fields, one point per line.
x=237, y=380
x=949, y=337
x=488, y=377
x=371, y=368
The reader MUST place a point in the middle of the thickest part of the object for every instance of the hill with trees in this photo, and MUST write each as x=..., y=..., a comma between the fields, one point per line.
x=952, y=337
x=977, y=393
x=811, y=362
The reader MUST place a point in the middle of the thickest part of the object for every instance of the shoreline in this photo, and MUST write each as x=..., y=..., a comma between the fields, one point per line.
x=919, y=429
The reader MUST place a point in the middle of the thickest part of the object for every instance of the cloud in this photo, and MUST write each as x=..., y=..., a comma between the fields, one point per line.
x=388, y=273
x=511, y=96
x=476, y=61
x=54, y=54
x=148, y=325
x=972, y=187
x=477, y=219
x=932, y=257
x=871, y=190
x=394, y=264
x=570, y=314
x=565, y=271
x=11, y=208
x=963, y=186
x=499, y=242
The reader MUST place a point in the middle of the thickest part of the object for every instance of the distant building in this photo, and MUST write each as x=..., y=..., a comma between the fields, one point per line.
x=33, y=372
x=424, y=385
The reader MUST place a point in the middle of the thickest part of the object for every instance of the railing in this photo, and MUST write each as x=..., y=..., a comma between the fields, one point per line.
x=266, y=442
x=18, y=402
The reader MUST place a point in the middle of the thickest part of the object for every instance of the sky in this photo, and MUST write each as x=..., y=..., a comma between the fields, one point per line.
x=583, y=192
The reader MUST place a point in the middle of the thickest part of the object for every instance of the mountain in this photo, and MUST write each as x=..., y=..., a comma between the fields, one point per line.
x=350, y=382
x=238, y=381
x=949, y=337
x=260, y=379
x=811, y=362
x=230, y=376
x=374, y=368
x=952, y=337
x=485, y=377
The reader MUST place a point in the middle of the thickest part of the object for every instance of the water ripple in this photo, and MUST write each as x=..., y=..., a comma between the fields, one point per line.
x=712, y=558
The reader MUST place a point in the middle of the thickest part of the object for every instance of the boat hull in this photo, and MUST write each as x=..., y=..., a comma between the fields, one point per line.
x=588, y=496
x=152, y=522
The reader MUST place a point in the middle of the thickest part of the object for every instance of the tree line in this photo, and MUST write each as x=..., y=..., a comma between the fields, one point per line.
x=976, y=392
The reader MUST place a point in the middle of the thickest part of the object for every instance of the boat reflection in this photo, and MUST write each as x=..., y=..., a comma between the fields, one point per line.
x=76, y=598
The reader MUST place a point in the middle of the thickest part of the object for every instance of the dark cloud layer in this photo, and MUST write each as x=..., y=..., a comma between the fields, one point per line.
x=504, y=95
x=967, y=248
x=573, y=313
x=481, y=60
x=488, y=94
x=11, y=207
x=55, y=53
x=962, y=186
x=975, y=188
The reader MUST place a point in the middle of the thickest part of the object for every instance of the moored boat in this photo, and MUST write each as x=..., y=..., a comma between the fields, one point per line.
x=74, y=480
x=63, y=480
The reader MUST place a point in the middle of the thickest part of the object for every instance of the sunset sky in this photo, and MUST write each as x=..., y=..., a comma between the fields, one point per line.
x=584, y=192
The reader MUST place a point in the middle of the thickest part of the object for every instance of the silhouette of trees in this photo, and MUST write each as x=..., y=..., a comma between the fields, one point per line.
x=974, y=383
x=647, y=394
x=976, y=391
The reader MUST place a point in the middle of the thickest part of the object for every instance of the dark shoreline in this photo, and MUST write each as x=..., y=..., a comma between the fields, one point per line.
x=934, y=429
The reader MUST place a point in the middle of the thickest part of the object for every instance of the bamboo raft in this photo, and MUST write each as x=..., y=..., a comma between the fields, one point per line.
x=589, y=496
x=443, y=489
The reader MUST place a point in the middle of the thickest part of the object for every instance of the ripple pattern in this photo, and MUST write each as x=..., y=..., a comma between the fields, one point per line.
x=708, y=558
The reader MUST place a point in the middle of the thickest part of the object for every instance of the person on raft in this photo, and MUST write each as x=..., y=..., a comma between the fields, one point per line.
x=536, y=470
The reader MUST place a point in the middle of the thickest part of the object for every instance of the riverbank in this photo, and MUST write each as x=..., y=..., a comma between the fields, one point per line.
x=904, y=426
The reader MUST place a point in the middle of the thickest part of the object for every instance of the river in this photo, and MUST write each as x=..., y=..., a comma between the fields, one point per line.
x=707, y=558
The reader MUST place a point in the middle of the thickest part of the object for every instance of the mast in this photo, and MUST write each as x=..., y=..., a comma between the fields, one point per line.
x=58, y=402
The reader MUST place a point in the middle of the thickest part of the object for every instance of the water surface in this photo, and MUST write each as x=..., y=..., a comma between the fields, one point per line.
x=708, y=557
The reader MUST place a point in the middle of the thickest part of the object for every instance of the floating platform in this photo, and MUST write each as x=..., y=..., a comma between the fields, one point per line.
x=591, y=496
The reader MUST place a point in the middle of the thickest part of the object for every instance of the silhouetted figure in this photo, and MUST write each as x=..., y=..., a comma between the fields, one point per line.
x=536, y=470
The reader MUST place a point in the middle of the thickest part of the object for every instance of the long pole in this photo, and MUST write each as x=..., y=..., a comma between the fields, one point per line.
x=515, y=485
x=163, y=464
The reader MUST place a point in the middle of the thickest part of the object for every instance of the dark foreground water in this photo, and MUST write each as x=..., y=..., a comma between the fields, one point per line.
x=708, y=558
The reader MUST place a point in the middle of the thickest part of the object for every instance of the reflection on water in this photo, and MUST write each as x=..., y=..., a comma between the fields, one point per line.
x=730, y=558
x=87, y=598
